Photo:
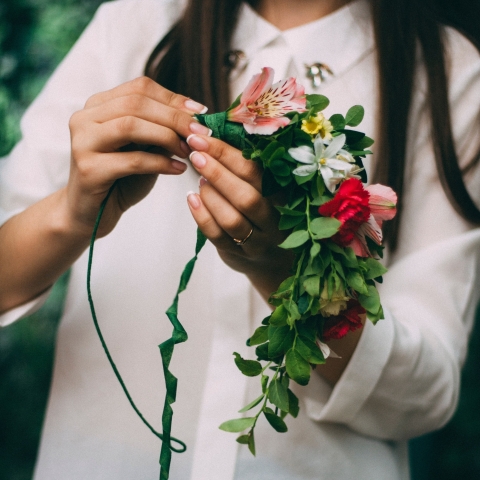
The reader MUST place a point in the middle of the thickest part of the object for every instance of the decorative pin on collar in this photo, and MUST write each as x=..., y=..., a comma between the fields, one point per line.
x=318, y=72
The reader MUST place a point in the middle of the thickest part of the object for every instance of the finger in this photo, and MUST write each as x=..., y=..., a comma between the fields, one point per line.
x=122, y=131
x=107, y=168
x=149, y=88
x=147, y=109
x=229, y=157
x=238, y=192
x=207, y=224
x=227, y=217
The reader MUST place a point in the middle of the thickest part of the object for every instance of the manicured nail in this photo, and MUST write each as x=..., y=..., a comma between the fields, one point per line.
x=198, y=159
x=193, y=199
x=202, y=181
x=195, y=106
x=196, y=127
x=185, y=148
x=179, y=165
x=197, y=143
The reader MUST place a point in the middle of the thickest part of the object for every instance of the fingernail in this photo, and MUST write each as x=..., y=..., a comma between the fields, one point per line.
x=185, y=148
x=195, y=106
x=196, y=142
x=202, y=181
x=193, y=199
x=196, y=127
x=179, y=165
x=198, y=159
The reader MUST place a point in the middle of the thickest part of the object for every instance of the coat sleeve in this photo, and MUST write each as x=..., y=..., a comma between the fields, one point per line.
x=404, y=377
x=109, y=52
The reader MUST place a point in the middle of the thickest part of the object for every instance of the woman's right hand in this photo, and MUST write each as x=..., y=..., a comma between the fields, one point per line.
x=128, y=135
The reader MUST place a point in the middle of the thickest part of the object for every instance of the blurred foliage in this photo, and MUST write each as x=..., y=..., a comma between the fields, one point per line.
x=34, y=37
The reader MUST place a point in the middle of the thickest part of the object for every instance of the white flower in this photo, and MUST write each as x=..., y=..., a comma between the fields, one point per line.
x=334, y=163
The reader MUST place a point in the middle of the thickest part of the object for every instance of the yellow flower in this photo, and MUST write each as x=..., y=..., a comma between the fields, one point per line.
x=335, y=304
x=317, y=124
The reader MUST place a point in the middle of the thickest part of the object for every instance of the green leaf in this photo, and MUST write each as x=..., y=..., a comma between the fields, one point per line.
x=350, y=258
x=262, y=351
x=288, y=222
x=260, y=336
x=364, y=143
x=324, y=227
x=281, y=339
x=251, y=443
x=264, y=383
x=293, y=313
x=252, y=404
x=315, y=250
x=271, y=151
x=278, y=395
x=298, y=368
x=318, y=101
x=295, y=239
x=279, y=167
x=320, y=200
x=356, y=281
x=309, y=351
x=371, y=301
x=312, y=285
x=337, y=121
x=243, y=439
x=374, y=269
x=293, y=407
x=289, y=211
x=237, y=425
x=250, y=368
x=276, y=422
x=354, y=115
x=279, y=317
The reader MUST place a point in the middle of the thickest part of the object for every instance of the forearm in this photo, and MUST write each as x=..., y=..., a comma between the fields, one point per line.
x=36, y=247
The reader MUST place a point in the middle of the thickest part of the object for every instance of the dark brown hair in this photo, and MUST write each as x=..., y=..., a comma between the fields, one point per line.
x=192, y=59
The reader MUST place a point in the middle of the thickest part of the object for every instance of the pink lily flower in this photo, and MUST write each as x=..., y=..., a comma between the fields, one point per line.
x=263, y=106
x=382, y=203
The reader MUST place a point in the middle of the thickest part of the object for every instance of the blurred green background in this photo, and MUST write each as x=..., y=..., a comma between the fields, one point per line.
x=34, y=37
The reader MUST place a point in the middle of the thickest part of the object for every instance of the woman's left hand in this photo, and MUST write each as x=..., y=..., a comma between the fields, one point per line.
x=230, y=205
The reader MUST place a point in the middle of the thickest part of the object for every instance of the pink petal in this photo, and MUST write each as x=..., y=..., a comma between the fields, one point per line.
x=359, y=246
x=266, y=125
x=241, y=114
x=383, y=201
x=372, y=230
x=257, y=86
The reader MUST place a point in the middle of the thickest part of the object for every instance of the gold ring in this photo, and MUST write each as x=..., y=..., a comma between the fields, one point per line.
x=242, y=242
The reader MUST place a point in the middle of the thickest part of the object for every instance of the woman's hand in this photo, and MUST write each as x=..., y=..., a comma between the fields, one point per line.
x=230, y=205
x=128, y=135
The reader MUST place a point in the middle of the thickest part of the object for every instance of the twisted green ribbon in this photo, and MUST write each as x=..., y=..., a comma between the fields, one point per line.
x=179, y=335
x=166, y=349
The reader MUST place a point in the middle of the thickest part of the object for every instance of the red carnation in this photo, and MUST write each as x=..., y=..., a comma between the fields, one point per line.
x=348, y=321
x=350, y=205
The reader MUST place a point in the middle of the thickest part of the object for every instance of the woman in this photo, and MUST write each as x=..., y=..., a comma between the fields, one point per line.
x=394, y=381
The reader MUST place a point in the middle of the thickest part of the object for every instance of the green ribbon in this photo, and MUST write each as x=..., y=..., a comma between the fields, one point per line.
x=179, y=335
x=230, y=132
x=166, y=348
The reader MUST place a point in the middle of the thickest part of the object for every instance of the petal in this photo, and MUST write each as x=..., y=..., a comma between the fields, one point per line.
x=303, y=154
x=241, y=114
x=328, y=178
x=304, y=170
x=258, y=85
x=319, y=147
x=359, y=245
x=372, y=230
x=382, y=202
x=335, y=145
x=266, y=126
x=339, y=165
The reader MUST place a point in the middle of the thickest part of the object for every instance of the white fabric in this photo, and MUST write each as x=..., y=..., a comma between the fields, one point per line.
x=403, y=379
